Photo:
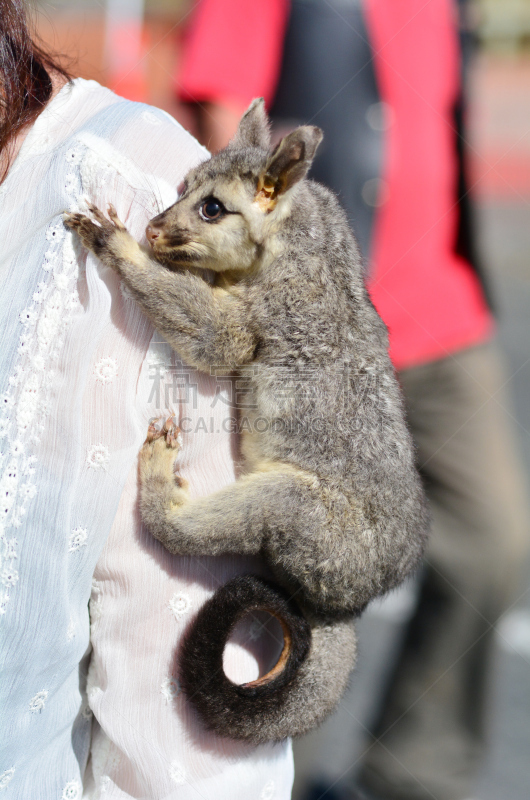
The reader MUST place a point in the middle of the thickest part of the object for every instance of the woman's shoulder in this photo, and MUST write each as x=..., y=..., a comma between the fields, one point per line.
x=130, y=137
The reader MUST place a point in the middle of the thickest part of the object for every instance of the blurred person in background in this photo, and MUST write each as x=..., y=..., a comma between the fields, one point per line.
x=384, y=80
x=80, y=375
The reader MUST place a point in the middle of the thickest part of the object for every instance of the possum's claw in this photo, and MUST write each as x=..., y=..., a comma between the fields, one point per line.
x=93, y=236
x=160, y=430
x=155, y=430
x=173, y=434
x=96, y=232
x=168, y=430
x=98, y=215
x=111, y=211
x=72, y=220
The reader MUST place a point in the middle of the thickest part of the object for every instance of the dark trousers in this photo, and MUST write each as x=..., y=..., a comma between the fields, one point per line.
x=429, y=737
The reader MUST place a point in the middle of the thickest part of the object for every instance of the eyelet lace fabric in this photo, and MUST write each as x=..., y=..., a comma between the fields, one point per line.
x=26, y=403
x=81, y=374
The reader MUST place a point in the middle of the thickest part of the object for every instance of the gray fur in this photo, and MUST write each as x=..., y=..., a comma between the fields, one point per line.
x=331, y=497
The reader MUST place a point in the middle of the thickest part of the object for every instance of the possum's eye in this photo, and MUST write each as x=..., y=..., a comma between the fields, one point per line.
x=211, y=209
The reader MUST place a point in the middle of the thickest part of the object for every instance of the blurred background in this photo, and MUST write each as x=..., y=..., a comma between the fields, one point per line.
x=135, y=48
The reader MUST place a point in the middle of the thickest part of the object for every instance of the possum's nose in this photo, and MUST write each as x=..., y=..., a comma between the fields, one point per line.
x=152, y=234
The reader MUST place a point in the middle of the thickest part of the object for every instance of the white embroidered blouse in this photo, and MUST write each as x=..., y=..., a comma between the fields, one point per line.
x=81, y=373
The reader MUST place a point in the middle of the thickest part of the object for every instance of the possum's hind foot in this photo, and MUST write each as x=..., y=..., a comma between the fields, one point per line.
x=168, y=430
x=162, y=492
x=157, y=463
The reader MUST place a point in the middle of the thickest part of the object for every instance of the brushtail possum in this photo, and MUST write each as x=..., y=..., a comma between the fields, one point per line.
x=330, y=496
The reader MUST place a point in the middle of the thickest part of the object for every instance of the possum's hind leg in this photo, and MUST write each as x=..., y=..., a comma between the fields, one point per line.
x=278, y=510
x=235, y=519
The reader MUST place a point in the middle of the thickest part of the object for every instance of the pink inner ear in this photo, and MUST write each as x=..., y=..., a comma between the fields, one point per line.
x=297, y=151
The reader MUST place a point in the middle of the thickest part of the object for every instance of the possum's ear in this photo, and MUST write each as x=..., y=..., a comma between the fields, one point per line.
x=253, y=130
x=288, y=164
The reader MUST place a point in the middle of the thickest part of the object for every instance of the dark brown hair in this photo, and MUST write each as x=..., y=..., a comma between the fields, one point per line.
x=25, y=82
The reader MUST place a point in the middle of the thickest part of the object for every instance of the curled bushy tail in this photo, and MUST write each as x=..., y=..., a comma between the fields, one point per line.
x=302, y=688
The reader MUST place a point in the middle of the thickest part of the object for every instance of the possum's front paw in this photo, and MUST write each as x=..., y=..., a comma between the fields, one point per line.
x=97, y=235
x=161, y=489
